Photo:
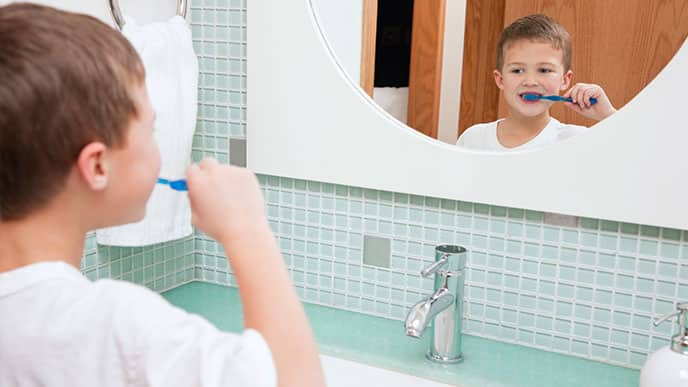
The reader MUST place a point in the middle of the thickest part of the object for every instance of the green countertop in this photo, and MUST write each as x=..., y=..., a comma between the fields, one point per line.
x=382, y=343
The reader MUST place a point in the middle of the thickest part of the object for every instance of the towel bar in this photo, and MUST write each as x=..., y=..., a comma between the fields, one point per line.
x=119, y=19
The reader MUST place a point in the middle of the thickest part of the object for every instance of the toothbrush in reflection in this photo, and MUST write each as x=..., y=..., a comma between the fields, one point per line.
x=556, y=98
x=177, y=185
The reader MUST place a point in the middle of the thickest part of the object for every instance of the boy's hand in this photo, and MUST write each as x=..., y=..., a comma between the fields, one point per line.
x=581, y=94
x=226, y=201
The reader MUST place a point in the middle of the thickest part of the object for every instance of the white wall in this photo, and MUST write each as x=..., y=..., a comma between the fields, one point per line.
x=450, y=95
x=142, y=11
x=342, y=22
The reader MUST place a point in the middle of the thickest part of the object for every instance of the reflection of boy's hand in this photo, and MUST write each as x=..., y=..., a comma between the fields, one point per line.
x=581, y=94
x=226, y=202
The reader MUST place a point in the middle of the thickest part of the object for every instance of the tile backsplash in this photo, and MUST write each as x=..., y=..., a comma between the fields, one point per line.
x=588, y=289
x=160, y=267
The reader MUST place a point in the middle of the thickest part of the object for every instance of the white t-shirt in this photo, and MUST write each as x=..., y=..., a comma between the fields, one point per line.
x=57, y=328
x=484, y=136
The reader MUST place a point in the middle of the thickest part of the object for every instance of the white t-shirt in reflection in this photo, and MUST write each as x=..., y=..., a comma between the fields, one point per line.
x=484, y=136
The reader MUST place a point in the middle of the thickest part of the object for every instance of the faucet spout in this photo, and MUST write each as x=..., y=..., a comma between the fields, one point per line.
x=423, y=312
x=443, y=308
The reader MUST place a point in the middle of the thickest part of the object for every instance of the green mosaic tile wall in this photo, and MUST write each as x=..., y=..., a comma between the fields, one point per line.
x=159, y=267
x=589, y=291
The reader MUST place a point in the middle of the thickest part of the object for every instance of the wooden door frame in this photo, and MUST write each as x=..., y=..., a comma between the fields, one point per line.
x=425, y=78
x=368, y=41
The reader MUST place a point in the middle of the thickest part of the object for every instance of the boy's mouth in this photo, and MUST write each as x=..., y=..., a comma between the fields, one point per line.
x=532, y=100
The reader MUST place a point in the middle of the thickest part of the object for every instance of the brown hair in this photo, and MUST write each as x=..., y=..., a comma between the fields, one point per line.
x=536, y=27
x=66, y=80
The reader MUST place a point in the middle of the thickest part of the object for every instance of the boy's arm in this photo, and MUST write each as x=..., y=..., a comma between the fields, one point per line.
x=271, y=307
x=581, y=94
x=227, y=204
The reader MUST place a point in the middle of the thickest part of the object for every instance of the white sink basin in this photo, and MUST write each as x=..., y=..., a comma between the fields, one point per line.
x=344, y=373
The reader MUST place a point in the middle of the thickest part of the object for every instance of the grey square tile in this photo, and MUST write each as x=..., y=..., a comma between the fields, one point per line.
x=377, y=251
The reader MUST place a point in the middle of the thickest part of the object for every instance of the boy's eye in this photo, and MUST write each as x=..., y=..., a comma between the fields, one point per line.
x=516, y=71
x=545, y=70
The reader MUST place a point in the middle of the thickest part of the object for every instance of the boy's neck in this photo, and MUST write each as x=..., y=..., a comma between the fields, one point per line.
x=41, y=237
x=517, y=129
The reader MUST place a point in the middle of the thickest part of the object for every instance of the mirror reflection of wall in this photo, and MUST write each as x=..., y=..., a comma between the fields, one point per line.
x=342, y=21
x=619, y=44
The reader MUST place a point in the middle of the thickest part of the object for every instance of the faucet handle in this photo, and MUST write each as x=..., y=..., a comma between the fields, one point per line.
x=681, y=308
x=435, y=266
x=660, y=320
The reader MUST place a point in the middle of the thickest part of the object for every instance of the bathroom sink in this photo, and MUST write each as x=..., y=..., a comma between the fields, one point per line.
x=382, y=344
x=344, y=373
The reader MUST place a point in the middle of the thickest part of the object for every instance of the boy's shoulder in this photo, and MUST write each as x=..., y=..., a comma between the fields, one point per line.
x=62, y=285
x=483, y=126
x=135, y=306
x=482, y=133
x=564, y=131
x=133, y=331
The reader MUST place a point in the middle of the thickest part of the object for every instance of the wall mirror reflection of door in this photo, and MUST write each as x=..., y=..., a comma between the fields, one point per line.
x=403, y=56
x=620, y=44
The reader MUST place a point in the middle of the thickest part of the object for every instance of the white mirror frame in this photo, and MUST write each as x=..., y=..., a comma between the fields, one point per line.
x=306, y=119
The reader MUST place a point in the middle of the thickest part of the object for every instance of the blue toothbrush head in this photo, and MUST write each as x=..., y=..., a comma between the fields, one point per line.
x=177, y=185
x=531, y=97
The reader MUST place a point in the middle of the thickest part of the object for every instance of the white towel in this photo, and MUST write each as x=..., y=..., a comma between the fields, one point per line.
x=393, y=100
x=167, y=53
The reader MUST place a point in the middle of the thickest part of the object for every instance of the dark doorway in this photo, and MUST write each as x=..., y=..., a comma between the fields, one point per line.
x=393, y=42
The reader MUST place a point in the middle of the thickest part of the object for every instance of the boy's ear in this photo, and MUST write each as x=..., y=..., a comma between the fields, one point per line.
x=498, y=79
x=566, y=81
x=92, y=165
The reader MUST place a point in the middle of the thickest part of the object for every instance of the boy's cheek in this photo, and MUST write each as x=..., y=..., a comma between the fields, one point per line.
x=158, y=160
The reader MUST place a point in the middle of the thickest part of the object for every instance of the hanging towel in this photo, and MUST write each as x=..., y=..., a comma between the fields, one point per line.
x=171, y=67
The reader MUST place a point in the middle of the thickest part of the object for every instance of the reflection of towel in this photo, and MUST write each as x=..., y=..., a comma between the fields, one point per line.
x=171, y=78
x=393, y=100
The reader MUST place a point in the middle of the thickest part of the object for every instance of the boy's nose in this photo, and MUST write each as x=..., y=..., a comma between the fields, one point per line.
x=530, y=80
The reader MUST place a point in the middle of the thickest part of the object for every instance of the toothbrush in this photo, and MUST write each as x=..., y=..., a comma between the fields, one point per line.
x=535, y=97
x=177, y=185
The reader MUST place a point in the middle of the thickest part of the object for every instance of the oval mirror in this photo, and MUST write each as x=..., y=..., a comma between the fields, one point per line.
x=430, y=63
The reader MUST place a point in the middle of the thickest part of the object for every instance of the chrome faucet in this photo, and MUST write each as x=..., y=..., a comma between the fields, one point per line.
x=443, y=308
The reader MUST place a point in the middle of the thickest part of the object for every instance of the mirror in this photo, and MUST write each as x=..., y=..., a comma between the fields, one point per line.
x=410, y=56
x=307, y=120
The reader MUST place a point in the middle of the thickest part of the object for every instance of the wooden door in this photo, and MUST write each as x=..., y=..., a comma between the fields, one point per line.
x=619, y=44
x=425, y=78
x=479, y=94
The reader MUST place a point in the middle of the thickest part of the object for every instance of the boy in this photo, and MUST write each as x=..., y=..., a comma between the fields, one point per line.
x=534, y=57
x=77, y=153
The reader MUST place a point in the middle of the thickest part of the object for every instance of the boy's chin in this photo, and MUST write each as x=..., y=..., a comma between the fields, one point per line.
x=533, y=111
